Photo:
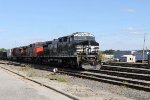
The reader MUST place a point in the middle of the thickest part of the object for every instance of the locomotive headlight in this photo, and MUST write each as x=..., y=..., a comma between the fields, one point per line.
x=95, y=57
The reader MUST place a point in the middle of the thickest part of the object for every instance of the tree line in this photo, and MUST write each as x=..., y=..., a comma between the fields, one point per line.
x=2, y=49
x=110, y=52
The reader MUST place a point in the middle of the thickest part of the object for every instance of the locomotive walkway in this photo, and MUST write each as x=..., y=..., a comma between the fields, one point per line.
x=13, y=87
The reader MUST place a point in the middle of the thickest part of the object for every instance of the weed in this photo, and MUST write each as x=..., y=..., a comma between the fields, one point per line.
x=58, y=78
x=33, y=73
x=26, y=68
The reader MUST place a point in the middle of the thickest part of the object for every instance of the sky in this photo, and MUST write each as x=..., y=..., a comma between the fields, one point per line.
x=116, y=24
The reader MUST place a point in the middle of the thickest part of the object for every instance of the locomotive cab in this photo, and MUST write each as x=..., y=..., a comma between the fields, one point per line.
x=87, y=50
x=88, y=54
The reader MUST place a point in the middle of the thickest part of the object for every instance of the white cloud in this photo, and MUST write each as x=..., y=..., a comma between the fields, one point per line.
x=133, y=30
x=130, y=10
x=129, y=29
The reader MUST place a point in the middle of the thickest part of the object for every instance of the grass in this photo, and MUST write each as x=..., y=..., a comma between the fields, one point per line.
x=31, y=72
x=61, y=79
x=26, y=68
x=34, y=73
x=58, y=78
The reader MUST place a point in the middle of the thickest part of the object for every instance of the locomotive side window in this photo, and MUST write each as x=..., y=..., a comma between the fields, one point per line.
x=65, y=39
x=60, y=40
x=90, y=38
x=84, y=38
x=71, y=38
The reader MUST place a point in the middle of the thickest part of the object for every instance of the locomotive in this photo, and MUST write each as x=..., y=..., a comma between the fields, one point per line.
x=78, y=50
x=3, y=55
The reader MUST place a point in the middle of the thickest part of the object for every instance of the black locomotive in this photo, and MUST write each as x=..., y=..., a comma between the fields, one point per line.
x=79, y=50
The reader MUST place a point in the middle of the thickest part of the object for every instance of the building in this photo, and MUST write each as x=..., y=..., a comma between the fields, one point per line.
x=119, y=54
x=149, y=59
x=138, y=55
x=128, y=58
x=107, y=57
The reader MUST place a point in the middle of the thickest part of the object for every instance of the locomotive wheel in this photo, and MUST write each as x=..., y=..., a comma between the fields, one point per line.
x=94, y=66
x=97, y=66
x=79, y=66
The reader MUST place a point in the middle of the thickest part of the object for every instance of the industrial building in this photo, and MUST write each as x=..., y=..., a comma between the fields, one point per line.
x=139, y=56
x=107, y=57
x=128, y=58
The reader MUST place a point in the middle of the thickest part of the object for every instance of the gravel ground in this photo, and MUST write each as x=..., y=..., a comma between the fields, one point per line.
x=115, y=89
x=83, y=88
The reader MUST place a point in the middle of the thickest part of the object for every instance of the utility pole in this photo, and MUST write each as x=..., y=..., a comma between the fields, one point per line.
x=143, y=48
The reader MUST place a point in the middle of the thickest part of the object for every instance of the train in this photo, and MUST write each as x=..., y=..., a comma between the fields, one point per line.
x=3, y=55
x=78, y=50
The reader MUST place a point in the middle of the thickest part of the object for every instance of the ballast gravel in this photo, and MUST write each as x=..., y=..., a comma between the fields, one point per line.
x=82, y=88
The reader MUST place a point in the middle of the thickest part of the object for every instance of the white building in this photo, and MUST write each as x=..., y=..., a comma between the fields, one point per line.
x=138, y=55
x=128, y=58
x=119, y=54
x=108, y=56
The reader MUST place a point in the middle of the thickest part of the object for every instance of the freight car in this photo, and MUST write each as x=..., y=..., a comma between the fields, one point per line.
x=79, y=50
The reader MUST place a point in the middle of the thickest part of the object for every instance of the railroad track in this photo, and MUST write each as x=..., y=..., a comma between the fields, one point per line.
x=137, y=78
x=132, y=83
x=126, y=72
x=136, y=65
x=126, y=69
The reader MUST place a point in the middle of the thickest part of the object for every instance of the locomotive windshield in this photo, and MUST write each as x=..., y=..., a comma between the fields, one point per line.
x=84, y=38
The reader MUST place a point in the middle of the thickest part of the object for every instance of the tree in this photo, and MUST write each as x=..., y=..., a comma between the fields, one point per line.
x=101, y=55
x=109, y=51
x=2, y=49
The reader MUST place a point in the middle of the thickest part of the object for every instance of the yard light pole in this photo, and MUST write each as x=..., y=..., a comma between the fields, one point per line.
x=143, y=48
